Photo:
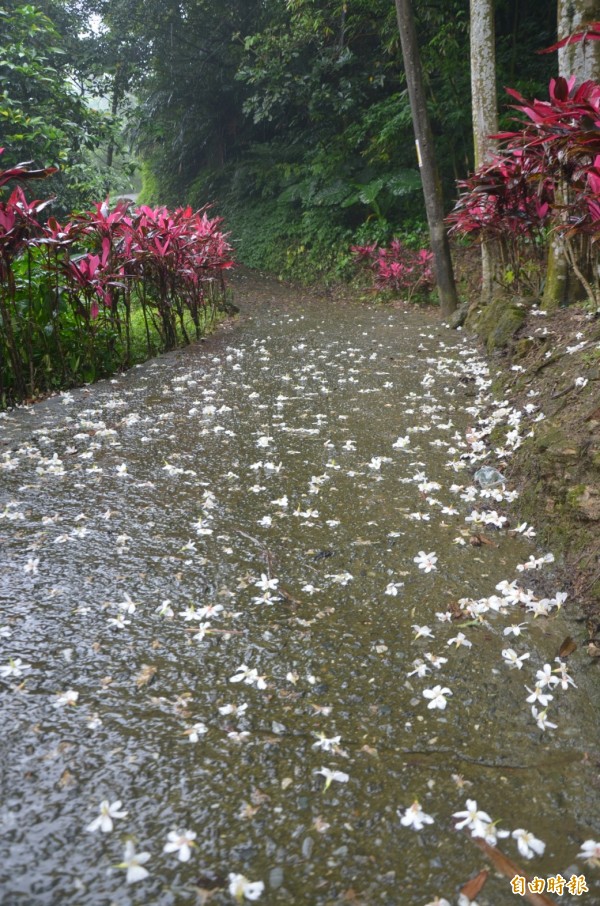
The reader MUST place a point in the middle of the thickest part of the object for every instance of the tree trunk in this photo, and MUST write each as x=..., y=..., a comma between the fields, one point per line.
x=432, y=188
x=581, y=59
x=485, y=119
x=114, y=108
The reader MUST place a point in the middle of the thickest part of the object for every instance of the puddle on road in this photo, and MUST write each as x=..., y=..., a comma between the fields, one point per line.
x=253, y=507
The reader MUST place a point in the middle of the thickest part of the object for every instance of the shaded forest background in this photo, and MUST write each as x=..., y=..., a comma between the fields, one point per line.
x=292, y=117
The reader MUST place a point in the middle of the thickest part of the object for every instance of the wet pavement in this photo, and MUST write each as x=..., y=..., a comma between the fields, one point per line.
x=248, y=564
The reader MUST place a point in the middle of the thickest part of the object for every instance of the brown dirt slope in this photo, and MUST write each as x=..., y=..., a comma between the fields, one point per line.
x=553, y=362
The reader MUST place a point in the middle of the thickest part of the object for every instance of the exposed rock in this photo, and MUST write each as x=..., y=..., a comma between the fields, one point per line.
x=587, y=502
x=459, y=317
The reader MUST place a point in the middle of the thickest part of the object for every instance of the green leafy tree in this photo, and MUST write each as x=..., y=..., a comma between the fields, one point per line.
x=43, y=116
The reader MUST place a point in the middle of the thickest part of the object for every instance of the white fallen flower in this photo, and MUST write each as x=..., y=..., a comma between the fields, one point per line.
x=437, y=696
x=590, y=851
x=180, y=842
x=67, y=698
x=104, y=821
x=241, y=888
x=415, y=817
x=529, y=846
x=133, y=863
x=330, y=775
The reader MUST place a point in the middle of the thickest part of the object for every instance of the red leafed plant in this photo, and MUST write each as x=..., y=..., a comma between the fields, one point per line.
x=75, y=286
x=546, y=177
x=397, y=268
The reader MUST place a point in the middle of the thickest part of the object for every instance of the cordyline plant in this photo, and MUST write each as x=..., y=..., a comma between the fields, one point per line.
x=545, y=178
x=68, y=293
x=397, y=268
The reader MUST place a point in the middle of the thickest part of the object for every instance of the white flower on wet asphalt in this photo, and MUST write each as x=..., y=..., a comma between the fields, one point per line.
x=529, y=846
x=340, y=578
x=590, y=851
x=492, y=834
x=32, y=566
x=437, y=696
x=392, y=588
x=401, y=443
x=426, y=562
x=564, y=678
x=127, y=606
x=194, y=732
x=190, y=613
x=180, y=842
x=422, y=632
x=476, y=518
x=15, y=667
x=133, y=863
x=415, y=817
x=238, y=736
x=164, y=609
x=104, y=821
x=541, y=608
x=513, y=659
x=435, y=660
x=326, y=743
x=460, y=639
x=201, y=527
x=541, y=718
x=119, y=622
x=420, y=668
x=233, y=709
x=331, y=775
x=66, y=698
x=122, y=469
x=203, y=629
x=536, y=695
x=265, y=522
x=241, y=888
x=545, y=677
x=266, y=598
x=264, y=441
x=516, y=629
x=473, y=819
x=525, y=530
x=265, y=583
x=249, y=676
x=210, y=610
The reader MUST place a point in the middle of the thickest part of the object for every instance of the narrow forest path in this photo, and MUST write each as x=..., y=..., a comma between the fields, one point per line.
x=247, y=564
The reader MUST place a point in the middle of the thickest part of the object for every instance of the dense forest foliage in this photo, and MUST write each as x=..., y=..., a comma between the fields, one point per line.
x=291, y=116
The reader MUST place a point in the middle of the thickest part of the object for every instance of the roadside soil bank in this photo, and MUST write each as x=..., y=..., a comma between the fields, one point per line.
x=551, y=361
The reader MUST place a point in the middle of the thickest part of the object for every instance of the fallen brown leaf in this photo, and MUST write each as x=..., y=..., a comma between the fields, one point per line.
x=567, y=647
x=509, y=869
x=145, y=676
x=472, y=887
x=66, y=779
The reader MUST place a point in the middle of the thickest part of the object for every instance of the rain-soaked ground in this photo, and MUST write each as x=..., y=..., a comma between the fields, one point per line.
x=238, y=568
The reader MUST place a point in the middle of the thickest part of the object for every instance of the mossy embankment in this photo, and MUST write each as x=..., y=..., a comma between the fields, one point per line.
x=551, y=361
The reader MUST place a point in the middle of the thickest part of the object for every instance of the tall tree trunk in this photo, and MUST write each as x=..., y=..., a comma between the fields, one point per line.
x=432, y=187
x=581, y=59
x=485, y=118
